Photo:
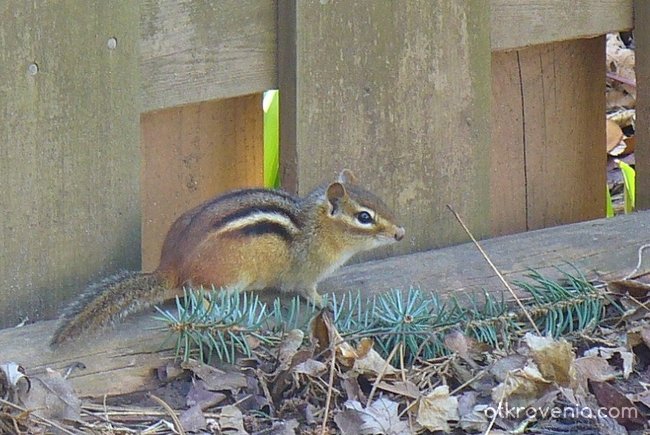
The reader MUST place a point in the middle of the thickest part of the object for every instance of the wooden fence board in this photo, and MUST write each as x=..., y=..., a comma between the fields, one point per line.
x=519, y=24
x=197, y=51
x=406, y=106
x=642, y=126
x=69, y=153
x=564, y=112
x=547, y=136
x=193, y=153
x=508, y=157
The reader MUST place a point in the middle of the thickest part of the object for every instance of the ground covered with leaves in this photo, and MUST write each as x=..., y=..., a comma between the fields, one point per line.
x=581, y=366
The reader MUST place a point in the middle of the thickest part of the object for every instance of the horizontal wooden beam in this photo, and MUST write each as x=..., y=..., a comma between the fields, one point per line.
x=198, y=51
x=122, y=360
x=601, y=248
x=517, y=24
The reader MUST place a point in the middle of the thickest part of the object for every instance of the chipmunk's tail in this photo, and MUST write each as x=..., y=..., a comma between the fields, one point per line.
x=106, y=302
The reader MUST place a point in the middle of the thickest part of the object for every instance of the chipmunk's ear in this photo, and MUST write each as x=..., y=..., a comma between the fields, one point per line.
x=335, y=194
x=347, y=177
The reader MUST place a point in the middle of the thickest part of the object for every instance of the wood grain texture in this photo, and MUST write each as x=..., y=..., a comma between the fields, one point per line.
x=69, y=159
x=406, y=107
x=508, y=157
x=195, y=51
x=119, y=361
x=601, y=248
x=193, y=153
x=547, y=113
x=522, y=23
x=122, y=360
x=564, y=131
x=642, y=129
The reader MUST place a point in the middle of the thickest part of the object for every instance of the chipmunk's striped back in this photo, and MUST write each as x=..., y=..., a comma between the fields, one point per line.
x=249, y=239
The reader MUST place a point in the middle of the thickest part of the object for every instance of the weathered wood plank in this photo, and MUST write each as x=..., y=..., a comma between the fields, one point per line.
x=547, y=164
x=193, y=153
x=69, y=159
x=122, y=360
x=605, y=248
x=517, y=24
x=407, y=107
x=508, y=157
x=563, y=142
x=642, y=126
x=198, y=51
x=117, y=362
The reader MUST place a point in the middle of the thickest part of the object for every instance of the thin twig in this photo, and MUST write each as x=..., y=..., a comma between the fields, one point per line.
x=476, y=377
x=621, y=79
x=382, y=373
x=505, y=283
x=170, y=411
x=638, y=263
x=330, y=389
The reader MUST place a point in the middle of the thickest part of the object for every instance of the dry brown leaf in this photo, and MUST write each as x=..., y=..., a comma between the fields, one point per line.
x=592, y=368
x=645, y=335
x=353, y=389
x=554, y=358
x=52, y=396
x=324, y=333
x=437, y=408
x=381, y=417
x=406, y=389
x=614, y=135
x=507, y=364
x=231, y=421
x=619, y=407
x=201, y=396
x=642, y=397
x=311, y=367
x=634, y=288
x=290, y=345
x=476, y=420
x=630, y=144
x=465, y=347
x=192, y=419
x=373, y=364
x=215, y=379
x=521, y=386
x=608, y=353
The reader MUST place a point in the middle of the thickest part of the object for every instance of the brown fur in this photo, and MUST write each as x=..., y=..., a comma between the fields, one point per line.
x=246, y=240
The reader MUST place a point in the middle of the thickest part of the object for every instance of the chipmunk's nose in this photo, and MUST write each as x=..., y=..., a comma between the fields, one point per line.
x=399, y=234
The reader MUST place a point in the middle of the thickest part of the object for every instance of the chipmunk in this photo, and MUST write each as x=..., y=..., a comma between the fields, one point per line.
x=249, y=239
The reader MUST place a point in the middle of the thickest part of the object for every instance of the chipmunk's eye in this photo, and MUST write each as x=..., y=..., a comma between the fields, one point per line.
x=364, y=217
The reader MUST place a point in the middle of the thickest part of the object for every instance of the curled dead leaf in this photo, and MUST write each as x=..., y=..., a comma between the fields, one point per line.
x=215, y=379
x=554, y=358
x=592, y=368
x=521, y=387
x=614, y=135
x=381, y=417
x=437, y=408
x=608, y=353
x=231, y=421
x=52, y=396
x=290, y=345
